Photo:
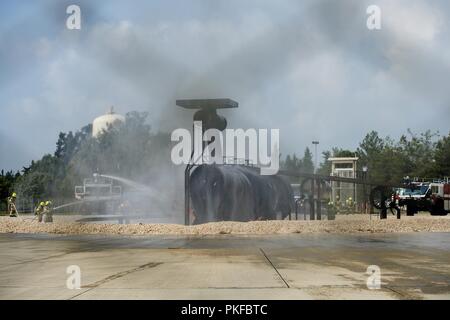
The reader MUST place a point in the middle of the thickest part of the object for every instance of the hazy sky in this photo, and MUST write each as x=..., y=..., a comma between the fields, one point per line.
x=310, y=68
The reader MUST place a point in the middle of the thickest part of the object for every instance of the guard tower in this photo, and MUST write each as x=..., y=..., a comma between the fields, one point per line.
x=343, y=167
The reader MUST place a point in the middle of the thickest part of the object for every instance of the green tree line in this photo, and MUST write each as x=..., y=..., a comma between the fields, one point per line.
x=425, y=155
x=132, y=150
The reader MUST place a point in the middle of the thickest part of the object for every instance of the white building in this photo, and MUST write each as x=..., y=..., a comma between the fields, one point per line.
x=104, y=122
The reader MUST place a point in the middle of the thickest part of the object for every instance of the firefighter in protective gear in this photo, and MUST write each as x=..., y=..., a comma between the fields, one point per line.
x=39, y=211
x=332, y=210
x=337, y=203
x=48, y=214
x=12, y=205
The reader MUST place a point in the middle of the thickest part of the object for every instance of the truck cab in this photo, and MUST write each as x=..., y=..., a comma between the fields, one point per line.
x=440, y=198
x=415, y=197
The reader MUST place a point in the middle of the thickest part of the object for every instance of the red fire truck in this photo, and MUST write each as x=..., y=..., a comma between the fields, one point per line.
x=425, y=196
x=440, y=198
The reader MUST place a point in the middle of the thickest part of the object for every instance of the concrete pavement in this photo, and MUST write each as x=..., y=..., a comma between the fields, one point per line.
x=413, y=266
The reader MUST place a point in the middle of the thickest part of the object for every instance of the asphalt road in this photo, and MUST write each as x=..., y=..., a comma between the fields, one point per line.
x=330, y=266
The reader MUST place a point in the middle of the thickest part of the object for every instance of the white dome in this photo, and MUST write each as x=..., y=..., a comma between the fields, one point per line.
x=103, y=122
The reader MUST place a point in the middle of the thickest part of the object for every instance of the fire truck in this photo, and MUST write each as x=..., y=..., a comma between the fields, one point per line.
x=425, y=196
x=440, y=198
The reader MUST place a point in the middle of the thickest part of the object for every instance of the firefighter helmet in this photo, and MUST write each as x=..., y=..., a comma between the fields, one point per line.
x=14, y=195
x=42, y=203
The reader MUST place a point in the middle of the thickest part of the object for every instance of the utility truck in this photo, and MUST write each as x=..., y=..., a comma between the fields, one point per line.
x=425, y=196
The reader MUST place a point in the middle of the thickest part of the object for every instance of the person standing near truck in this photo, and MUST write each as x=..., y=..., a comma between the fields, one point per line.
x=12, y=210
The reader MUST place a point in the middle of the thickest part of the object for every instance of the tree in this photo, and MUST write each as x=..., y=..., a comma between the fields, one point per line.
x=6, y=186
x=417, y=153
x=307, y=163
x=325, y=166
x=371, y=145
x=441, y=163
x=338, y=152
x=371, y=153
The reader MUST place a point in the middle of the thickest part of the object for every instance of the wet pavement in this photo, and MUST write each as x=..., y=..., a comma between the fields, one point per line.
x=296, y=266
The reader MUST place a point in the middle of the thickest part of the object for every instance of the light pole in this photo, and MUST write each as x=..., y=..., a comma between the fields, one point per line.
x=315, y=143
x=364, y=177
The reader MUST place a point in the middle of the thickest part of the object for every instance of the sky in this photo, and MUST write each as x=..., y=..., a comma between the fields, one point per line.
x=309, y=68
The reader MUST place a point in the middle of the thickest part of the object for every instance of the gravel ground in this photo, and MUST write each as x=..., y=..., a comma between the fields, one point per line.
x=342, y=224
